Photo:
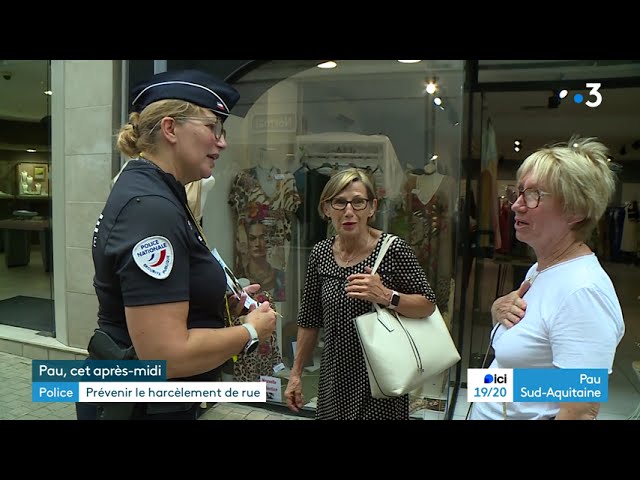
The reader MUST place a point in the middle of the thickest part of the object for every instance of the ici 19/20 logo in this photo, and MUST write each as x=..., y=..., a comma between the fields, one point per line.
x=488, y=378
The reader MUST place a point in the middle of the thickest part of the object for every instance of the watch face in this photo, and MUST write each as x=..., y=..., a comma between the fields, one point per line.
x=395, y=299
x=252, y=348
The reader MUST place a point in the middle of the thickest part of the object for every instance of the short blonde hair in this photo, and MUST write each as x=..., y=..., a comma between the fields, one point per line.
x=579, y=173
x=341, y=180
x=140, y=134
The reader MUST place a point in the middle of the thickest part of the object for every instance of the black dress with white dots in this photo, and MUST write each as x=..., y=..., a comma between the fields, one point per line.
x=343, y=391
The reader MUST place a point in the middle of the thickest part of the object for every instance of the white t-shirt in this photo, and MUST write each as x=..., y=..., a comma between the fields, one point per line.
x=573, y=319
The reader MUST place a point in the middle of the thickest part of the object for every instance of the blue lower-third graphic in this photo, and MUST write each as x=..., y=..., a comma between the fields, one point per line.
x=55, y=391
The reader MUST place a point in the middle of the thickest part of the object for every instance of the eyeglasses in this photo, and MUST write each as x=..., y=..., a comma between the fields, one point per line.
x=531, y=196
x=356, y=203
x=213, y=123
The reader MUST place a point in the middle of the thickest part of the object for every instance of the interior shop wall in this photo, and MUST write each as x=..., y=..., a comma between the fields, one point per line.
x=403, y=122
x=413, y=132
x=8, y=161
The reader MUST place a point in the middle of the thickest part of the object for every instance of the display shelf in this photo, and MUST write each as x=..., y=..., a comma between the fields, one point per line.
x=32, y=197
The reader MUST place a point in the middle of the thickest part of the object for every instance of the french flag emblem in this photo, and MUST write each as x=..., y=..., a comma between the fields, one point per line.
x=154, y=256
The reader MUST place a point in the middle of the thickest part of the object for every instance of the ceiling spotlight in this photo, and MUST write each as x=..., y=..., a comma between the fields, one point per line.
x=517, y=145
x=563, y=93
x=437, y=101
x=48, y=92
x=409, y=61
x=329, y=64
x=31, y=150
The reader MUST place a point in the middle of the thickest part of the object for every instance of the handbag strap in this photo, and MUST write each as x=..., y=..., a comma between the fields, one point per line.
x=389, y=239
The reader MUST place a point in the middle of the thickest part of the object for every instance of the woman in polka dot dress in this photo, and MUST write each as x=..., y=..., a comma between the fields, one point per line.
x=338, y=288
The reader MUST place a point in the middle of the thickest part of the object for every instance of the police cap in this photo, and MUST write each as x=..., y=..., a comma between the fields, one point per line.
x=199, y=88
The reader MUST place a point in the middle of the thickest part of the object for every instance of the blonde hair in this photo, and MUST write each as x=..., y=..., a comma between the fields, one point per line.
x=579, y=173
x=140, y=134
x=341, y=180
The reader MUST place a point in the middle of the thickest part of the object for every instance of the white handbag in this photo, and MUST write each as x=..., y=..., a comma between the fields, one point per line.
x=402, y=353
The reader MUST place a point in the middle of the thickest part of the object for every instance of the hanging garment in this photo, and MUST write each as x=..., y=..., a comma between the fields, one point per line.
x=271, y=202
x=629, y=242
x=506, y=221
x=427, y=228
x=310, y=184
x=197, y=195
x=488, y=227
x=616, y=224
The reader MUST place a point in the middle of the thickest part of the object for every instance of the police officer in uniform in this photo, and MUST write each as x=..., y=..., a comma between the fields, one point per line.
x=161, y=292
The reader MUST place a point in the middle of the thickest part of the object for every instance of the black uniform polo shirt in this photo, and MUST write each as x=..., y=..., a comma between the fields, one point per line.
x=147, y=251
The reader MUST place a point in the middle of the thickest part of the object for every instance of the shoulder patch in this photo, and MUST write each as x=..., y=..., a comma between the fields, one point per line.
x=154, y=256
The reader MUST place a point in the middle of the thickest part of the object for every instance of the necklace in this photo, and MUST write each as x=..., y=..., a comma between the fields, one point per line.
x=556, y=261
x=357, y=254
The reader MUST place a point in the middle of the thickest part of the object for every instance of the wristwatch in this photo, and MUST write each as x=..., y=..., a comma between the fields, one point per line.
x=252, y=344
x=395, y=300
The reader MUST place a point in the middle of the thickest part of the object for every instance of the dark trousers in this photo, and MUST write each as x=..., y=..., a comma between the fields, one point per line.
x=140, y=413
x=86, y=411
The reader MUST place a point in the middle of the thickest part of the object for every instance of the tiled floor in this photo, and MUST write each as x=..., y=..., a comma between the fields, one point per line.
x=30, y=280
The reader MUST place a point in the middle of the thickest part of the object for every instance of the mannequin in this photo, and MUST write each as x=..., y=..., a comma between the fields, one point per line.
x=197, y=195
x=427, y=184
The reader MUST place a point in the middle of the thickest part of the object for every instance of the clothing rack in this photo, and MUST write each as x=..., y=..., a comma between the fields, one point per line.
x=340, y=155
x=338, y=166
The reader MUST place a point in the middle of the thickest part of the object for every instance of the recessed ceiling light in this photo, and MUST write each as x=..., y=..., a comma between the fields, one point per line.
x=31, y=150
x=329, y=64
x=409, y=61
x=48, y=92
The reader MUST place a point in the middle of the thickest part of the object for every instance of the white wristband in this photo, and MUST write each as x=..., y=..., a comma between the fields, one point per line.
x=253, y=334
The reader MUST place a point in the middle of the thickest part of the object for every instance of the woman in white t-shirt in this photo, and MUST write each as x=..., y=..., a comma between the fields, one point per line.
x=566, y=314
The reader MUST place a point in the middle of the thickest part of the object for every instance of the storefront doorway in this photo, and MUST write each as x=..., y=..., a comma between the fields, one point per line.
x=520, y=106
x=26, y=267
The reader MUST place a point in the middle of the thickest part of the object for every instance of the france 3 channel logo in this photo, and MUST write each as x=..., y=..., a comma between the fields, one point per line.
x=578, y=98
x=489, y=385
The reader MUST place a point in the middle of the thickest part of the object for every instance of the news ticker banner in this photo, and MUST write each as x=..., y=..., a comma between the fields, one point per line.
x=129, y=381
x=537, y=385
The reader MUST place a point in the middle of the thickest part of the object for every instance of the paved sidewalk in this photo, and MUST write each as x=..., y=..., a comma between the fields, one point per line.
x=16, y=404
